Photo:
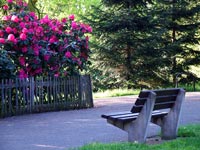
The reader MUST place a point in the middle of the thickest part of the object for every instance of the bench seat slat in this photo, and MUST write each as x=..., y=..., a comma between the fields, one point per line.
x=115, y=114
x=133, y=116
x=125, y=115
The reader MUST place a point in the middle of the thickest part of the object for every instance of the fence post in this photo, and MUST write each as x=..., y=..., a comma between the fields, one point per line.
x=31, y=93
x=90, y=91
x=80, y=93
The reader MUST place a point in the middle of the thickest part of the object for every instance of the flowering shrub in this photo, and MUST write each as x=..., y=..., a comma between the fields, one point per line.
x=43, y=46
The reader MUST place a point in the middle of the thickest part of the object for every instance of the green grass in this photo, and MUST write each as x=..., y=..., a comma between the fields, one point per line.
x=115, y=93
x=125, y=92
x=188, y=139
x=190, y=88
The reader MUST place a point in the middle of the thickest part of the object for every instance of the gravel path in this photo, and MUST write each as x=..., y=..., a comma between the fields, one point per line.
x=67, y=129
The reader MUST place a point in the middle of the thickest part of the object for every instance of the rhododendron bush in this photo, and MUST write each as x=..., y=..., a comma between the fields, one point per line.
x=42, y=46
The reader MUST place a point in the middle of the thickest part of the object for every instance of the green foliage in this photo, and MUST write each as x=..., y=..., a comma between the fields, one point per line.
x=116, y=92
x=186, y=142
x=189, y=131
x=7, y=67
x=123, y=38
x=178, y=35
x=61, y=8
x=144, y=44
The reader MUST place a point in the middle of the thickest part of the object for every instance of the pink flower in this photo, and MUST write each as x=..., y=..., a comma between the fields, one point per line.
x=15, y=18
x=37, y=71
x=74, y=25
x=24, y=49
x=52, y=39
x=36, y=50
x=25, y=4
x=22, y=60
x=26, y=18
x=68, y=54
x=14, y=30
x=77, y=60
x=56, y=74
x=5, y=18
x=71, y=17
x=9, y=1
x=46, y=57
x=39, y=30
x=31, y=31
x=8, y=29
x=5, y=7
x=22, y=74
x=24, y=30
x=89, y=29
x=64, y=20
x=32, y=14
x=23, y=36
x=87, y=38
x=2, y=41
x=45, y=20
x=1, y=33
x=22, y=24
x=11, y=38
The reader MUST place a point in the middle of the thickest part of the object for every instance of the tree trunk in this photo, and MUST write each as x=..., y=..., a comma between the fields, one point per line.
x=31, y=5
x=128, y=65
x=174, y=63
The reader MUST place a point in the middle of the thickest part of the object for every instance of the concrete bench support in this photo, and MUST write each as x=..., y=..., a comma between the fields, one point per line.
x=169, y=123
x=137, y=129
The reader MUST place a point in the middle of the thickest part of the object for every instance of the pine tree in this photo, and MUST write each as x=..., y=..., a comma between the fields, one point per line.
x=123, y=47
x=145, y=43
x=178, y=36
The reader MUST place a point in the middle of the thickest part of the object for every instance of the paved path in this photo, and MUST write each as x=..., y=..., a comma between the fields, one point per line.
x=66, y=129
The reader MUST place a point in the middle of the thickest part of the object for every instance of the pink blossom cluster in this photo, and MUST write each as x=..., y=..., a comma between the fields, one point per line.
x=43, y=46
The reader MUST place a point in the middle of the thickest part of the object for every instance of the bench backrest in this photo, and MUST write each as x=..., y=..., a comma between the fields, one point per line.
x=164, y=99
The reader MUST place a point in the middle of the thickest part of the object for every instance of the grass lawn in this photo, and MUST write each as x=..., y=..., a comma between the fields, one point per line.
x=116, y=92
x=188, y=139
x=126, y=92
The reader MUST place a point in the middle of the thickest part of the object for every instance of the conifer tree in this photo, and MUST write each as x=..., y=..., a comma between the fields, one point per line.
x=123, y=31
x=145, y=43
x=178, y=36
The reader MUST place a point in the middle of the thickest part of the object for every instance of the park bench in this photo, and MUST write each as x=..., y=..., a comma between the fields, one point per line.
x=161, y=107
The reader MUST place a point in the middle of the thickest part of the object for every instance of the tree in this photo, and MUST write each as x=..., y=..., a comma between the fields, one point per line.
x=62, y=8
x=123, y=36
x=145, y=43
x=178, y=29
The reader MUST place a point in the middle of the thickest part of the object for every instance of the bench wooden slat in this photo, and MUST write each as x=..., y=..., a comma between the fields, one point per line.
x=115, y=114
x=165, y=105
x=159, y=99
x=157, y=106
x=131, y=115
x=129, y=118
x=144, y=94
x=136, y=109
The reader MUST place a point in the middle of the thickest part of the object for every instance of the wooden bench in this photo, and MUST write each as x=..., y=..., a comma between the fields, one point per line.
x=161, y=107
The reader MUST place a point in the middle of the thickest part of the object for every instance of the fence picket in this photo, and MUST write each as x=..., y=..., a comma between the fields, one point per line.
x=41, y=94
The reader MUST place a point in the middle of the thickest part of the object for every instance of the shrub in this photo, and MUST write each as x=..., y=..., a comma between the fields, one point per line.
x=43, y=46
